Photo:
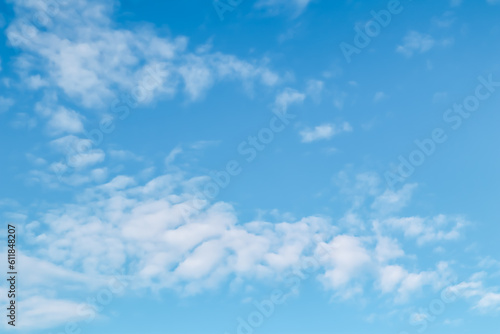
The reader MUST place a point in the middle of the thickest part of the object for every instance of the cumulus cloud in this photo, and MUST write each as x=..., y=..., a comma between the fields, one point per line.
x=414, y=282
x=164, y=234
x=286, y=98
x=36, y=82
x=171, y=238
x=390, y=277
x=489, y=301
x=484, y=299
x=175, y=246
x=425, y=230
x=415, y=42
x=348, y=257
x=391, y=201
x=63, y=121
x=87, y=58
x=78, y=152
x=324, y=132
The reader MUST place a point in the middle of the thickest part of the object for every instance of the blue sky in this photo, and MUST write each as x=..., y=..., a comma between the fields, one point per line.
x=268, y=166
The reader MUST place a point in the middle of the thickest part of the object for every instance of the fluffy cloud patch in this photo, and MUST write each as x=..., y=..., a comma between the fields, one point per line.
x=287, y=98
x=5, y=103
x=489, y=301
x=415, y=42
x=425, y=230
x=162, y=235
x=86, y=57
x=65, y=120
x=348, y=257
x=324, y=132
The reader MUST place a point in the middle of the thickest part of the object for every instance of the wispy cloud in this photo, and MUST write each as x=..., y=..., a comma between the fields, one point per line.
x=88, y=60
x=379, y=96
x=288, y=97
x=415, y=42
x=275, y=7
x=324, y=132
x=5, y=103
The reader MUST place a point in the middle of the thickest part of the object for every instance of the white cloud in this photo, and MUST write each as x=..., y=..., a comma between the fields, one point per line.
x=169, y=236
x=63, y=121
x=202, y=144
x=5, y=103
x=414, y=282
x=453, y=322
x=275, y=7
x=415, y=42
x=48, y=275
x=489, y=301
x=36, y=82
x=485, y=300
x=123, y=155
x=287, y=98
x=347, y=258
x=324, y=132
x=41, y=312
x=426, y=230
x=197, y=77
x=315, y=89
x=393, y=201
x=23, y=121
x=390, y=277
x=418, y=317
x=59, y=120
x=86, y=57
x=178, y=236
x=169, y=159
x=379, y=96
x=78, y=152
x=339, y=100
x=388, y=249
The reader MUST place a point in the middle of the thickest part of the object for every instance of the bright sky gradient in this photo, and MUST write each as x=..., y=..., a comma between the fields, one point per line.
x=256, y=166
